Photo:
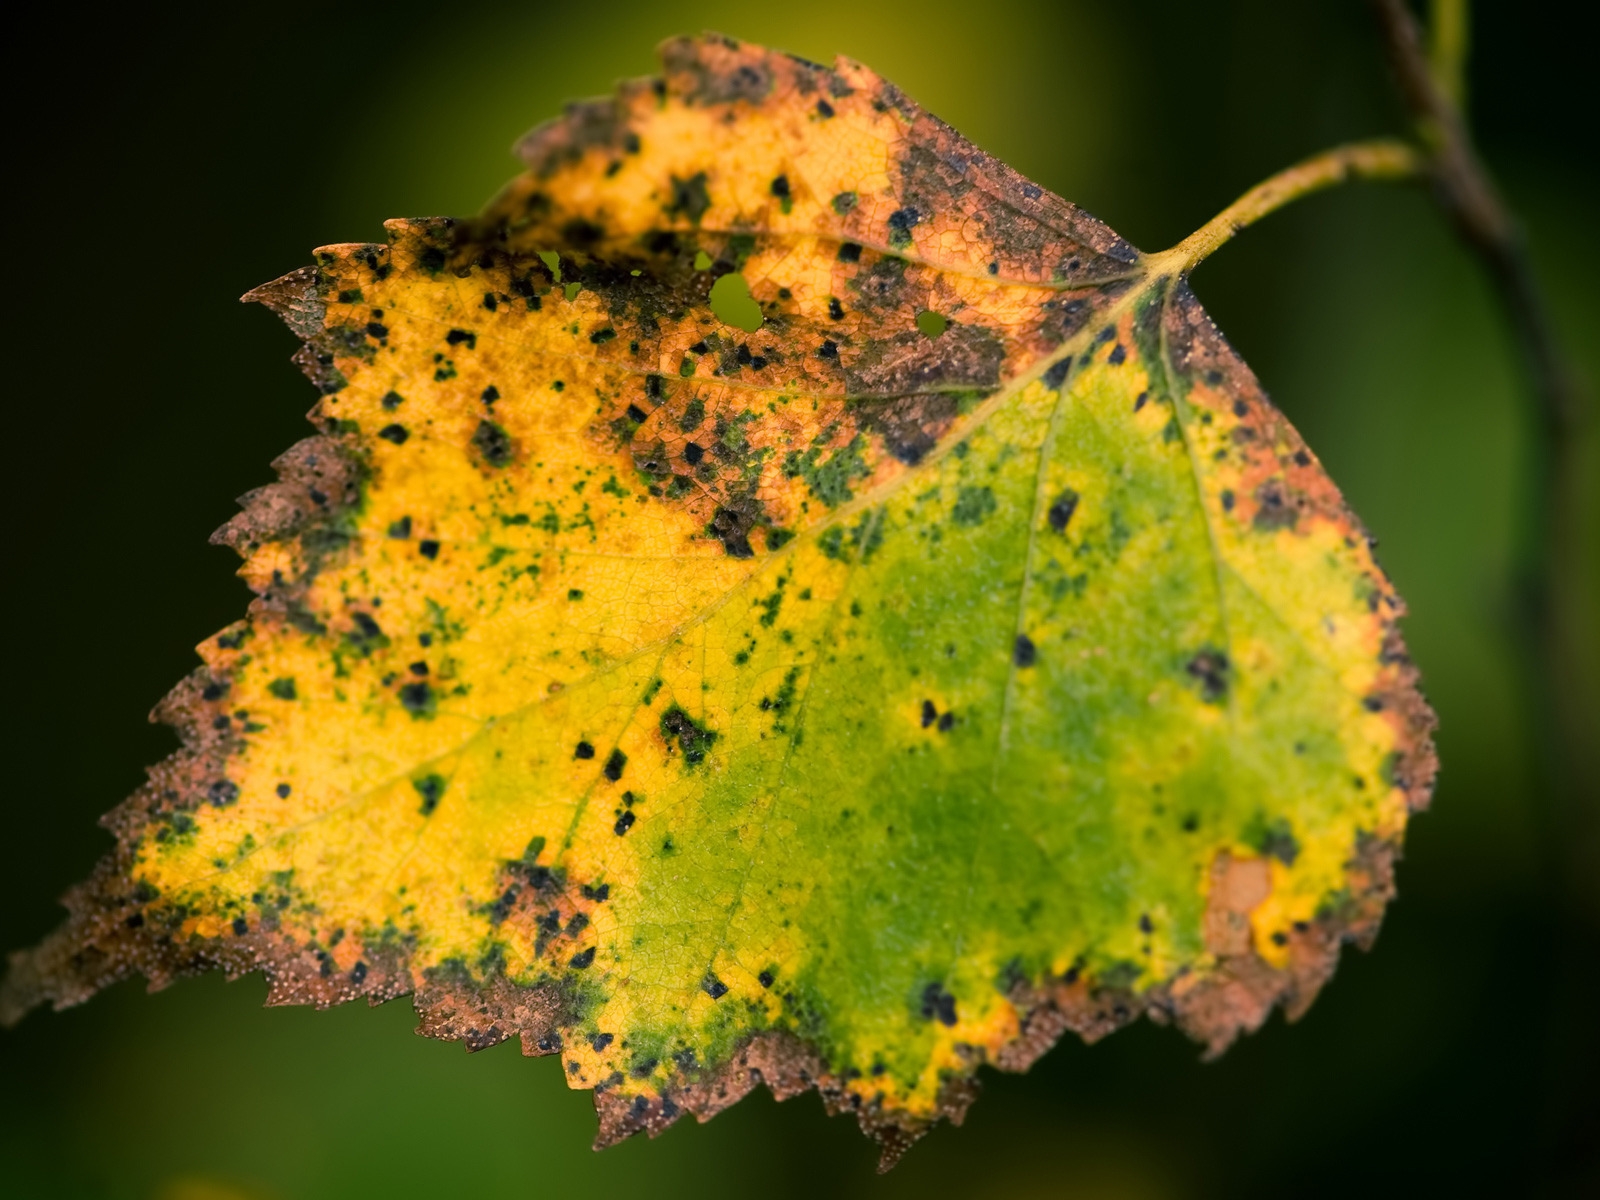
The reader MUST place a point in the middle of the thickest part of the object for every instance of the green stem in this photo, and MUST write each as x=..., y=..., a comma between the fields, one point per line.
x=1450, y=31
x=1380, y=159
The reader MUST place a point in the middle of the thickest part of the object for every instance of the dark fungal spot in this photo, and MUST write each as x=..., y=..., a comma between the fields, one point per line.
x=417, y=699
x=828, y=349
x=780, y=187
x=376, y=330
x=636, y=414
x=850, y=252
x=490, y=302
x=642, y=1070
x=431, y=260
x=601, y=336
x=732, y=528
x=601, y=1040
x=283, y=790
x=1240, y=408
x=1140, y=400
x=583, y=750
x=240, y=927
x=394, y=433
x=1227, y=499
x=766, y=979
x=994, y=268
x=693, y=452
x=947, y=722
x=1210, y=669
x=1023, y=652
x=1302, y=459
x=458, y=336
x=428, y=548
x=582, y=234
x=222, y=793
x=624, y=823
x=835, y=309
x=392, y=400
x=938, y=1004
x=582, y=959
x=490, y=395
x=282, y=688
x=1276, y=840
x=1057, y=374
x=214, y=691
x=713, y=987
x=418, y=668
x=1273, y=509
x=694, y=739
x=824, y=109
x=901, y=222
x=1117, y=356
x=400, y=529
x=430, y=787
x=689, y=196
x=614, y=765
x=493, y=443
x=1145, y=925
x=1061, y=510
x=930, y=714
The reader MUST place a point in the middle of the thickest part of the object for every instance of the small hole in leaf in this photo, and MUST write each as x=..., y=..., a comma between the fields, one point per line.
x=733, y=305
x=702, y=261
x=552, y=260
x=931, y=324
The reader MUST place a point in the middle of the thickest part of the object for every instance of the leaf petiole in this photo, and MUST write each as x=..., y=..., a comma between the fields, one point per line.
x=1380, y=159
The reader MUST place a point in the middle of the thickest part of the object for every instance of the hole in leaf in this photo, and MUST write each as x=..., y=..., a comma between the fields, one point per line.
x=552, y=260
x=931, y=324
x=733, y=305
x=702, y=261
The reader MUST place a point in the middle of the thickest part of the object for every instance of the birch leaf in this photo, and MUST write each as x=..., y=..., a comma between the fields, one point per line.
x=776, y=598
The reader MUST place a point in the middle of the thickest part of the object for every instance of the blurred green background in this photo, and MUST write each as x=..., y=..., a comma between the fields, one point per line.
x=163, y=162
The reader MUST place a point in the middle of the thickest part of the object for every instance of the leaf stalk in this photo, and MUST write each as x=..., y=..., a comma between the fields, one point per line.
x=1379, y=159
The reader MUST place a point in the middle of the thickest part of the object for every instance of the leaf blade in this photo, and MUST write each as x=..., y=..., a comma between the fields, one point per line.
x=706, y=720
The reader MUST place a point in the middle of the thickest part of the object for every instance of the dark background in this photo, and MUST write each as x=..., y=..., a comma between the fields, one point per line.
x=163, y=162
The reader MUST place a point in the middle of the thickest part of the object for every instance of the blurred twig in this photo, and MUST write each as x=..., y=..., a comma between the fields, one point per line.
x=1557, y=615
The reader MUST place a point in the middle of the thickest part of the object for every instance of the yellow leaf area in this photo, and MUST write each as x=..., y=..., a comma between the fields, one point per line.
x=953, y=649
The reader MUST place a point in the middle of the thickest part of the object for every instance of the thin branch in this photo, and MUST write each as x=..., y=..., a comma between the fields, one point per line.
x=1384, y=158
x=1558, y=617
x=1449, y=32
x=1473, y=205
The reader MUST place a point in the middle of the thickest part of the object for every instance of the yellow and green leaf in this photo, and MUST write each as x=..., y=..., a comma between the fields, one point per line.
x=777, y=598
